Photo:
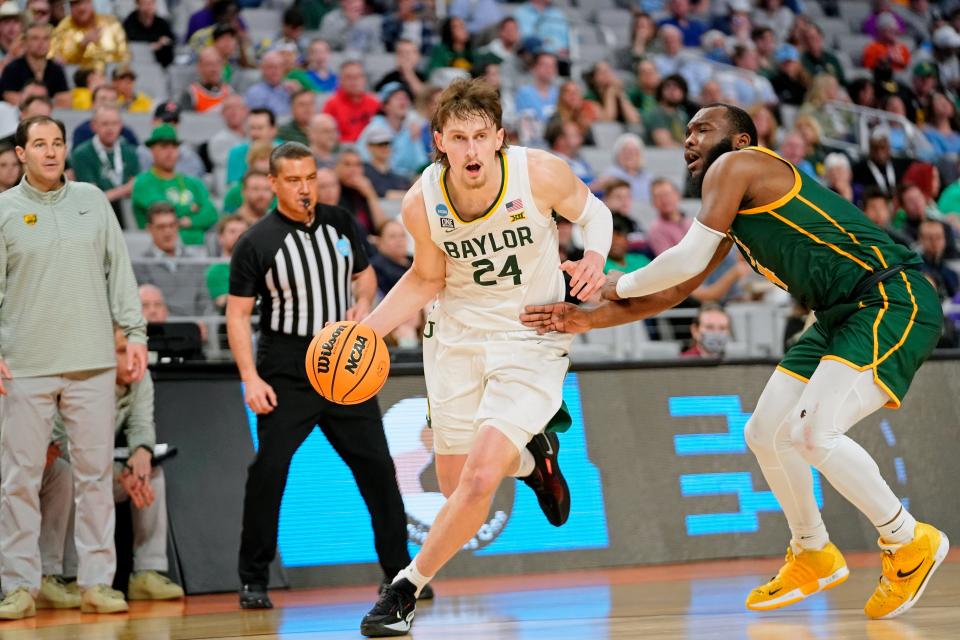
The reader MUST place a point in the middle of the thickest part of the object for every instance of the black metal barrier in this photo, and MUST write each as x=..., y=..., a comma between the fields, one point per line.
x=656, y=461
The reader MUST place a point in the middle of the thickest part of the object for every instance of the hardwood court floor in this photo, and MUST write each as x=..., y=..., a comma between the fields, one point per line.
x=702, y=600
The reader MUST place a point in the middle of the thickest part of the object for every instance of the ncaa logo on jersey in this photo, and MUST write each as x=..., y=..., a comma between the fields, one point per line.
x=442, y=210
x=446, y=223
x=343, y=246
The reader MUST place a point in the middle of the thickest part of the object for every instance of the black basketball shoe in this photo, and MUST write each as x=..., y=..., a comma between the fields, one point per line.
x=425, y=594
x=393, y=613
x=547, y=480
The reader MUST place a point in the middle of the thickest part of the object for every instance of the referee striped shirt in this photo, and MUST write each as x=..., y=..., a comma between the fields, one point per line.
x=300, y=274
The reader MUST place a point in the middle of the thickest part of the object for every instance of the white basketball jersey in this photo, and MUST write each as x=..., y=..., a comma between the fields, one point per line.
x=500, y=262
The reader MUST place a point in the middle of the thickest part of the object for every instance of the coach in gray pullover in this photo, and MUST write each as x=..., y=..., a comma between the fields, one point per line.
x=65, y=280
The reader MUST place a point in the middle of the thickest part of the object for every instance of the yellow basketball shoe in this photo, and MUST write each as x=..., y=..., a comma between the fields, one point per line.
x=906, y=571
x=803, y=575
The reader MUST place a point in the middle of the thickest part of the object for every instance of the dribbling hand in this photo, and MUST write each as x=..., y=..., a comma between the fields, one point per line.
x=259, y=396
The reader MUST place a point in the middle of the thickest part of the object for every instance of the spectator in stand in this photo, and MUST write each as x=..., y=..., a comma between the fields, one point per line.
x=233, y=48
x=328, y=187
x=85, y=82
x=862, y=93
x=347, y=29
x=154, y=306
x=945, y=44
x=34, y=65
x=407, y=22
x=644, y=94
x=357, y=194
x=813, y=150
x=838, y=177
x=932, y=245
x=538, y=19
x=942, y=128
x=390, y=262
x=10, y=171
x=455, y=48
x=377, y=168
x=912, y=211
x=257, y=197
x=352, y=106
x=87, y=39
x=927, y=178
x=572, y=107
x=129, y=99
x=878, y=207
x=271, y=92
x=616, y=195
x=107, y=160
x=565, y=141
x=791, y=81
x=765, y=42
x=261, y=127
x=885, y=45
x=710, y=332
x=11, y=32
x=234, y=112
x=182, y=283
x=816, y=59
x=229, y=230
x=413, y=148
x=772, y=14
x=694, y=68
x=324, y=139
x=899, y=142
x=620, y=258
x=628, y=166
x=188, y=196
x=257, y=161
x=691, y=28
x=919, y=101
x=793, y=149
x=303, y=104
x=606, y=90
x=823, y=90
x=407, y=71
x=711, y=92
x=324, y=78
x=879, y=168
x=768, y=128
x=291, y=33
x=215, y=12
x=671, y=224
x=538, y=99
x=750, y=88
x=506, y=48
x=38, y=11
x=643, y=32
x=209, y=90
x=488, y=69
x=666, y=124
x=480, y=16
x=144, y=25
x=103, y=96
x=189, y=162
x=874, y=23
x=395, y=114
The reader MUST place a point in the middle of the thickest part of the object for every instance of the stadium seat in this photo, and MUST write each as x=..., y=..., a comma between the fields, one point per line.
x=141, y=52
x=137, y=242
x=618, y=20
x=262, y=23
x=667, y=163
x=195, y=128
x=590, y=54
x=597, y=157
x=854, y=13
x=605, y=134
x=151, y=79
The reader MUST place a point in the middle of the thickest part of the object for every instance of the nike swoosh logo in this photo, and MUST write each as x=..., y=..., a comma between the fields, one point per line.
x=901, y=574
x=84, y=212
x=549, y=448
x=805, y=537
x=898, y=528
x=777, y=590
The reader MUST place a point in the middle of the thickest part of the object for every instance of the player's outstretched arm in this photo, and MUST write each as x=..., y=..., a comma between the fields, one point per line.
x=568, y=318
x=556, y=188
x=724, y=187
x=425, y=278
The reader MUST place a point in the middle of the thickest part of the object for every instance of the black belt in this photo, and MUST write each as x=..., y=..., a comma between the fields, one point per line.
x=872, y=279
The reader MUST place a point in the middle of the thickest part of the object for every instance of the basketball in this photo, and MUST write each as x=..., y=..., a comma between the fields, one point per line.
x=347, y=362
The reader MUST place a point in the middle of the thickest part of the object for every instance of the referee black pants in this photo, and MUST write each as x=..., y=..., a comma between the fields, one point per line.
x=355, y=432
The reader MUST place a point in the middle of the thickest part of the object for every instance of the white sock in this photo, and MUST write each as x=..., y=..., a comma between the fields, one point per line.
x=809, y=539
x=416, y=578
x=527, y=463
x=899, y=529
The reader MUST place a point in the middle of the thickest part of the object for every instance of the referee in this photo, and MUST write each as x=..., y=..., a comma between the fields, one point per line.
x=306, y=264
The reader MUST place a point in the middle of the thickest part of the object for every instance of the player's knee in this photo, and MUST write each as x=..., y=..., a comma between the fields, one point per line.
x=760, y=434
x=812, y=433
x=478, y=483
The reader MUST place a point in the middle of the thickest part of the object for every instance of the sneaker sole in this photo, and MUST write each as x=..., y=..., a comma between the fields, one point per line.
x=49, y=604
x=95, y=609
x=400, y=628
x=938, y=559
x=837, y=578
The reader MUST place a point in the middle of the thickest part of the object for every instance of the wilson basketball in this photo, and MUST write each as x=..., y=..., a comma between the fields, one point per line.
x=347, y=362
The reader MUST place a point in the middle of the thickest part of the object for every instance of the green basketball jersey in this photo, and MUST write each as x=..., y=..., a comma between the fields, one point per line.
x=813, y=243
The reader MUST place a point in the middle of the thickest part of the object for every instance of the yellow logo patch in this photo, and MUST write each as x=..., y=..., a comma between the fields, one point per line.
x=30, y=219
x=515, y=217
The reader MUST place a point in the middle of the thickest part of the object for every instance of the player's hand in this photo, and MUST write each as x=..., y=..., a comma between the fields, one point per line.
x=562, y=317
x=586, y=275
x=4, y=375
x=609, y=290
x=53, y=452
x=259, y=396
x=137, y=360
x=359, y=311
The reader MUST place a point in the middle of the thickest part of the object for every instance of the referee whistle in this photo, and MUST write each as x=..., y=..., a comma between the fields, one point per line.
x=306, y=203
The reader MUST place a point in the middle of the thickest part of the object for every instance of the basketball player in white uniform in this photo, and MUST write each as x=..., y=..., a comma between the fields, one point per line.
x=486, y=243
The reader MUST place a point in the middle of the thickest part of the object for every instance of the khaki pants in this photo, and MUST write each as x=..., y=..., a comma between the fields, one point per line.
x=86, y=400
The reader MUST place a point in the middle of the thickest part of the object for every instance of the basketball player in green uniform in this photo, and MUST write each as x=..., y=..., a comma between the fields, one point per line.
x=877, y=321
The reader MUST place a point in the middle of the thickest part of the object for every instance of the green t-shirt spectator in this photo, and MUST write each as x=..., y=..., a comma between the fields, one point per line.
x=675, y=123
x=291, y=132
x=631, y=262
x=949, y=203
x=233, y=198
x=88, y=165
x=188, y=196
x=218, y=280
x=644, y=102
